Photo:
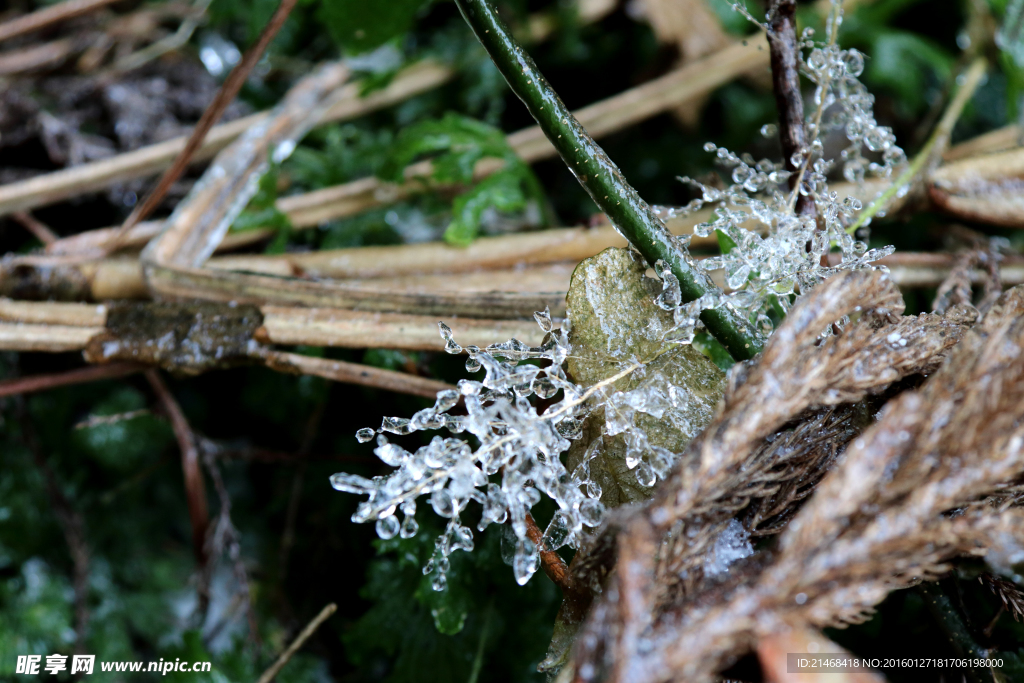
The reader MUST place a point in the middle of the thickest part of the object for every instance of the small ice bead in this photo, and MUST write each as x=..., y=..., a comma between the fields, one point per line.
x=449, y=343
x=591, y=512
x=364, y=434
x=645, y=474
x=525, y=563
x=387, y=527
x=409, y=527
x=543, y=319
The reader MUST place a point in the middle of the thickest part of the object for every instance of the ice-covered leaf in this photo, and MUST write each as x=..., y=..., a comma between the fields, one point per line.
x=649, y=415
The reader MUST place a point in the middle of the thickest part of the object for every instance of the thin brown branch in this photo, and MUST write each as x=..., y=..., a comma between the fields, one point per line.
x=50, y=15
x=299, y=641
x=224, y=535
x=195, y=489
x=353, y=373
x=225, y=95
x=41, y=231
x=782, y=45
x=92, y=373
x=551, y=562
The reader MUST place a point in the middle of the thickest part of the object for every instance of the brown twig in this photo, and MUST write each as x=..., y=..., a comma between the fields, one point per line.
x=552, y=563
x=225, y=95
x=195, y=489
x=299, y=641
x=782, y=45
x=353, y=373
x=224, y=535
x=92, y=373
x=50, y=15
x=41, y=231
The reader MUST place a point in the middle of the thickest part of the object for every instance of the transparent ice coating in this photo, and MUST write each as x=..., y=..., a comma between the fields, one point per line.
x=771, y=259
x=773, y=255
x=513, y=439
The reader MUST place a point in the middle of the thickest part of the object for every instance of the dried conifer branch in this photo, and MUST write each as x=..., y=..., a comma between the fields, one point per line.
x=726, y=467
x=1009, y=593
x=881, y=520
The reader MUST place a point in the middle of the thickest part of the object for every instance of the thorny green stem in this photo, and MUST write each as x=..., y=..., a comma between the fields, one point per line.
x=953, y=625
x=601, y=177
x=934, y=147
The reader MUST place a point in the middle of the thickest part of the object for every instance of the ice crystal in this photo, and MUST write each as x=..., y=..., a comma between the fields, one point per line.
x=731, y=545
x=771, y=252
x=632, y=391
x=512, y=439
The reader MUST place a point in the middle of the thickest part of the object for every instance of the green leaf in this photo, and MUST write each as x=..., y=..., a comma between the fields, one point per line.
x=503, y=191
x=463, y=140
x=725, y=243
x=710, y=347
x=361, y=25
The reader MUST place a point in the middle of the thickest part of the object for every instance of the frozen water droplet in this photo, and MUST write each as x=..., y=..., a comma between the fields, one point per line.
x=543, y=319
x=364, y=435
x=591, y=512
x=449, y=342
x=387, y=527
x=645, y=474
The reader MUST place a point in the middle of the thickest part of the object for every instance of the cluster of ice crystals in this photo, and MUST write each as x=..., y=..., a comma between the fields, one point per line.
x=774, y=251
x=731, y=545
x=511, y=439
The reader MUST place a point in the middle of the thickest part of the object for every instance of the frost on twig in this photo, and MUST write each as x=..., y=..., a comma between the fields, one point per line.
x=771, y=247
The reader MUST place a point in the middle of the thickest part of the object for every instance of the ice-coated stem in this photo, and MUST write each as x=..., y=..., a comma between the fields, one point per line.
x=601, y=177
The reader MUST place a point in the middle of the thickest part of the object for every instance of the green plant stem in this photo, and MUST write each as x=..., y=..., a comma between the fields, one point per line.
x=932, y=148
x=601, y=178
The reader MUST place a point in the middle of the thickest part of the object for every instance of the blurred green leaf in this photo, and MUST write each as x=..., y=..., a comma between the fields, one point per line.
x=359, y=25
x=457, y=141
x=502, y=191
